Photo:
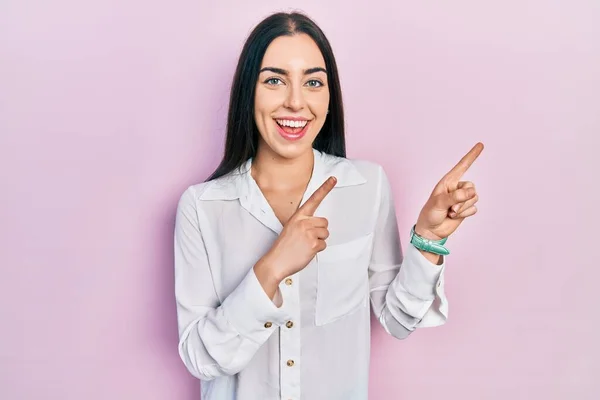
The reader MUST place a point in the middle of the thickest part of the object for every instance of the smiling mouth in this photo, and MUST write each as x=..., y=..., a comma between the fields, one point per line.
x=292, y=130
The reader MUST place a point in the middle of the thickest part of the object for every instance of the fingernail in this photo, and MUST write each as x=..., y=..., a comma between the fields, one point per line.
x=455, y=208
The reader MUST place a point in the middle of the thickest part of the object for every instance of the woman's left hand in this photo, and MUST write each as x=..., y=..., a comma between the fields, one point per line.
x=451, y=201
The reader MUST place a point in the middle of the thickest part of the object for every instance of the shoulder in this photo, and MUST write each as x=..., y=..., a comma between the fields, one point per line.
x=371, y=170
x=224, y=188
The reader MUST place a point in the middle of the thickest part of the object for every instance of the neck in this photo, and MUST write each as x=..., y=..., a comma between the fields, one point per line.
x=271, y=171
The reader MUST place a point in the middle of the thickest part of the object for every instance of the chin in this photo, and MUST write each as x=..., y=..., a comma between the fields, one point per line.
x=292, y=150
x=289, y=149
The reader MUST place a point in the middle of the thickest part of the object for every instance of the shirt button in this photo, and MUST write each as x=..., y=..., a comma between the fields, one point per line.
x=288, y=281
x=289, y=324
x=290, y=363
x=268, y=325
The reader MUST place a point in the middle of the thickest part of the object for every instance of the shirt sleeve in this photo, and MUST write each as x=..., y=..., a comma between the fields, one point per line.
x=216, y=337
x=406, y=289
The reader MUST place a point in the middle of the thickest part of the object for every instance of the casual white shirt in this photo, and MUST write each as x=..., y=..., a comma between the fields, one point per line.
x=315, y=346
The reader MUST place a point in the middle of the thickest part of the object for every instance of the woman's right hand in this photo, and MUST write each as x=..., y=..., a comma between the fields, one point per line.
x=302, y=237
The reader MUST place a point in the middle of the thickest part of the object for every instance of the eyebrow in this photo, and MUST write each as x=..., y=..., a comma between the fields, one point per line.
x=286, y=73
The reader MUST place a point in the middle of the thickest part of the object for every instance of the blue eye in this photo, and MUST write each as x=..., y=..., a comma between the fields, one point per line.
x=314, y=83
x=273, y=81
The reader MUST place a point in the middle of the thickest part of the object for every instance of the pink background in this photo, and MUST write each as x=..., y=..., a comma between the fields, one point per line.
x=109, y=109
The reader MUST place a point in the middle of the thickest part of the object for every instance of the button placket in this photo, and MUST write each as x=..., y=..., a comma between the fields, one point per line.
x=290, y=340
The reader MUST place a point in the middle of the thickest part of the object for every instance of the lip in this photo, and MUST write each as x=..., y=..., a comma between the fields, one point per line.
x=292, y=137
x=293, y=118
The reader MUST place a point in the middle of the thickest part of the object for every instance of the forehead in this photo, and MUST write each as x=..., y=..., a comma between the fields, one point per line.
x=293, y=52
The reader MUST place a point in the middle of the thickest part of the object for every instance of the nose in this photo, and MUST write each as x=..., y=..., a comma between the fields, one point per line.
x=294, y=98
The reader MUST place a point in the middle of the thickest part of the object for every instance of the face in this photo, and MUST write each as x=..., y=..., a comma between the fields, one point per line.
x=292, y=96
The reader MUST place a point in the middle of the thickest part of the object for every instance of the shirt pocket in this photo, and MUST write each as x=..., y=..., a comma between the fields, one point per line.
x=342, y=279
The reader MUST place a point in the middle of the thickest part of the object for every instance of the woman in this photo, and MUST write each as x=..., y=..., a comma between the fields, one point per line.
x=279, y=254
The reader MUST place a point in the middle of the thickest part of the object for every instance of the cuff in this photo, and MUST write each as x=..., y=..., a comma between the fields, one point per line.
x=419, y=276
x=251, y=312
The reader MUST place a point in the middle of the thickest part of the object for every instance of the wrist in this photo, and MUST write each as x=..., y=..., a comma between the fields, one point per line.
x=429, y=244
x=425, y=233
x=267, y=272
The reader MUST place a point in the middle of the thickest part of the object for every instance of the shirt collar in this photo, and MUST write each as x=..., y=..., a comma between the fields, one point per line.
x=239, y=183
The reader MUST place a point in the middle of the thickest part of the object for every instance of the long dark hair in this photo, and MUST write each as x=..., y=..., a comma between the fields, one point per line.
x=242, y=136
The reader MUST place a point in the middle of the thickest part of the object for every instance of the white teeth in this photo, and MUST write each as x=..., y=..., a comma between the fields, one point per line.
x=292, y=124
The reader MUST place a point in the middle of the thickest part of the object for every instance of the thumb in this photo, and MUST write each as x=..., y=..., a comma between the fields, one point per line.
x=456, y=196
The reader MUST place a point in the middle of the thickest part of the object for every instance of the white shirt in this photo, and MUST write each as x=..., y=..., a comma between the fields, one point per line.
x=317, y=344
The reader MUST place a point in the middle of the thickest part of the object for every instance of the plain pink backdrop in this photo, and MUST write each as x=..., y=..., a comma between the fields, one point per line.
x=109, y=109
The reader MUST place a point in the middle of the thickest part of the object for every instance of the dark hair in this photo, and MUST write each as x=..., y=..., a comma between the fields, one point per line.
x=242, y=134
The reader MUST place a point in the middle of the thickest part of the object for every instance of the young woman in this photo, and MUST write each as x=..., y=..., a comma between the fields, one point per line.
x=279, y=254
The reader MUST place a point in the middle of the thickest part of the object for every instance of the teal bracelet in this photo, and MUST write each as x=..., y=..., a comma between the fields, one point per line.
x=430, y=246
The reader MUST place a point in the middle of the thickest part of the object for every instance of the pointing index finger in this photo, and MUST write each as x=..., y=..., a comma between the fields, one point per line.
x=311, y=205
x=464, y=164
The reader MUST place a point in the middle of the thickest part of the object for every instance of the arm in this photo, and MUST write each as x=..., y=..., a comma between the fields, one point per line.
x=403, y=287
x=216, y=337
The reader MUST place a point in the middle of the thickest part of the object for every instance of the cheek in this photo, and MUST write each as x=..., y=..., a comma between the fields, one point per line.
x=259, y=101
x=266, y=101
x=319, y=103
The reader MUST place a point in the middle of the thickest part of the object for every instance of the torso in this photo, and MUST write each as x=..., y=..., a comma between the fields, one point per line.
x=328, y=301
